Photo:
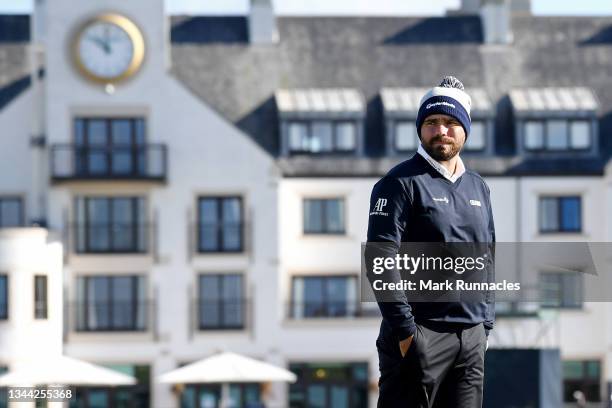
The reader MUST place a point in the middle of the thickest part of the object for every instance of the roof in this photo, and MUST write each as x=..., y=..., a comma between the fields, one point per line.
x=573, y=101
x=315, y=101
x=370, y=54
x=406, y=101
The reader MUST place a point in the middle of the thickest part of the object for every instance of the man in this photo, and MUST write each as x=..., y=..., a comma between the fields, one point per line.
x=431, y=354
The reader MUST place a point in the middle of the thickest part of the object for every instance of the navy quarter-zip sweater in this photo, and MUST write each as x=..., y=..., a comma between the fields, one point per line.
x=415, y=203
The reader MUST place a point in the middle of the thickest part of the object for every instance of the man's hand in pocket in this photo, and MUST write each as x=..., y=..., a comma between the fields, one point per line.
x=405, y=345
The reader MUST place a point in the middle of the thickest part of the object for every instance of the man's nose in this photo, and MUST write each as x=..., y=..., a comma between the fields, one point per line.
x=441, y=129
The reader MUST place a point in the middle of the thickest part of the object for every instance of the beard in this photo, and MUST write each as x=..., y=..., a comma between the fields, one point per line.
x=442, y=151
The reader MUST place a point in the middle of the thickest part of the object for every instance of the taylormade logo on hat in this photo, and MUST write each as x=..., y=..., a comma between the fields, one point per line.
x=449, y=98
x=431, y=105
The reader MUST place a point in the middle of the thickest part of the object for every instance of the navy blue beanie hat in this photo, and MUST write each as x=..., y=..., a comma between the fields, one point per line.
x=449, y=98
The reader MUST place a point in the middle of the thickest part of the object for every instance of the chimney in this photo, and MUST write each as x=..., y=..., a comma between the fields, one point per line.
x=521, y=7
x=496, y=16
x=262, y=23
x=469, y=7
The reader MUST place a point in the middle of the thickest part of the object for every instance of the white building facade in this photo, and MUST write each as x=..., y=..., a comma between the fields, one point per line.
x=155, y=218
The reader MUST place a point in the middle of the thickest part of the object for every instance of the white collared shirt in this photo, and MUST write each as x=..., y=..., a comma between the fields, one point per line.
x=459, y=170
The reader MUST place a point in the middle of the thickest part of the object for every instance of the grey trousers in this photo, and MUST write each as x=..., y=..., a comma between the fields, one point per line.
x=443, y=368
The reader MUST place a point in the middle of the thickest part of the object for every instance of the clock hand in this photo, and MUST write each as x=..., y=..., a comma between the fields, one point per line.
x=107, y=43
x=99, y=42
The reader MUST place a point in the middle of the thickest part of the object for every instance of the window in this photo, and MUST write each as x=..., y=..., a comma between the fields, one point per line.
x=137, y=395
x=583, y=376
x=324, y=216
x=560, y=214
x=329, y=385
x=221, y=302
x=40, y=297
x=406, y=138
x=242, y=395
x=324, y=296
x=322, y=136
x=561, y=290
x=220, y=225
x=111, y=303
x=111, y=224
x=534, y=135
x=346, y=135
x=557, y=135
x=11, y=212
x=580, y=132
x=4, y=293
x=109, y=146
x=476, y=141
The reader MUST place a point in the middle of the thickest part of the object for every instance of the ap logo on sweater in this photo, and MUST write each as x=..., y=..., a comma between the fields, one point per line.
x=379, y=206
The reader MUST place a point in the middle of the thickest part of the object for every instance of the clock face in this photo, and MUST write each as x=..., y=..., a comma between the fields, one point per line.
x=108, y=49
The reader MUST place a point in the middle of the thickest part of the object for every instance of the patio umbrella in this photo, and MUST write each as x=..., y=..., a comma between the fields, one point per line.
x=225, y=368
x=62, y=370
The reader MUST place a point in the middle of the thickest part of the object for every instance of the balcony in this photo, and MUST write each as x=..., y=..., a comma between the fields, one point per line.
x=331, y=310
x=110, y=316
x=70, y=162
x=111, y=238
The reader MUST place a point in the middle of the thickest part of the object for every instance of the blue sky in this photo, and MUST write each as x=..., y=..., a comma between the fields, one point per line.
x=348, y=7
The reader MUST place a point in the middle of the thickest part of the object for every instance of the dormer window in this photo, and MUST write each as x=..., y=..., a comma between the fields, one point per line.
x=555, y=120
x=406, y=138
x=321, y=136
x=401, y=107
x=477, y=140
x=321, y=121
x=557, y=135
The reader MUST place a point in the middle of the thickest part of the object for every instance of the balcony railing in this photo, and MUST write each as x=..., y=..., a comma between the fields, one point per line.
x=331, y=309
x=138, y=162
x=111, y=316
x=220, y=237
x=221, y=314
x=105, y=238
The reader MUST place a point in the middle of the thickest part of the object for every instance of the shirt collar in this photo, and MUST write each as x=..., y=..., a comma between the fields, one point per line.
x=459, y=170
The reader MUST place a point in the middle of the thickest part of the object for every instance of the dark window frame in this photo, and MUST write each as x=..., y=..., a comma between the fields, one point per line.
x=136, y=303
x=20, y=202
x=5, y=297
x=216, y=390
x=324, y=228
x=135, y=226
x=563, y=302
x=307, y=373
x=219, y=225
x=41, y=297
x=560, y=229
x=327, y=303
x=334, y=126
x=586, y=384
x=544, y=148
x=136, y=148
x=221, y=303
x=139, y=392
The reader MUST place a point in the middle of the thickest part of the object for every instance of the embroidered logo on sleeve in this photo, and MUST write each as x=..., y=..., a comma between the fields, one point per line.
x=475, y=202
x=443, y=199
x=379, y=206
